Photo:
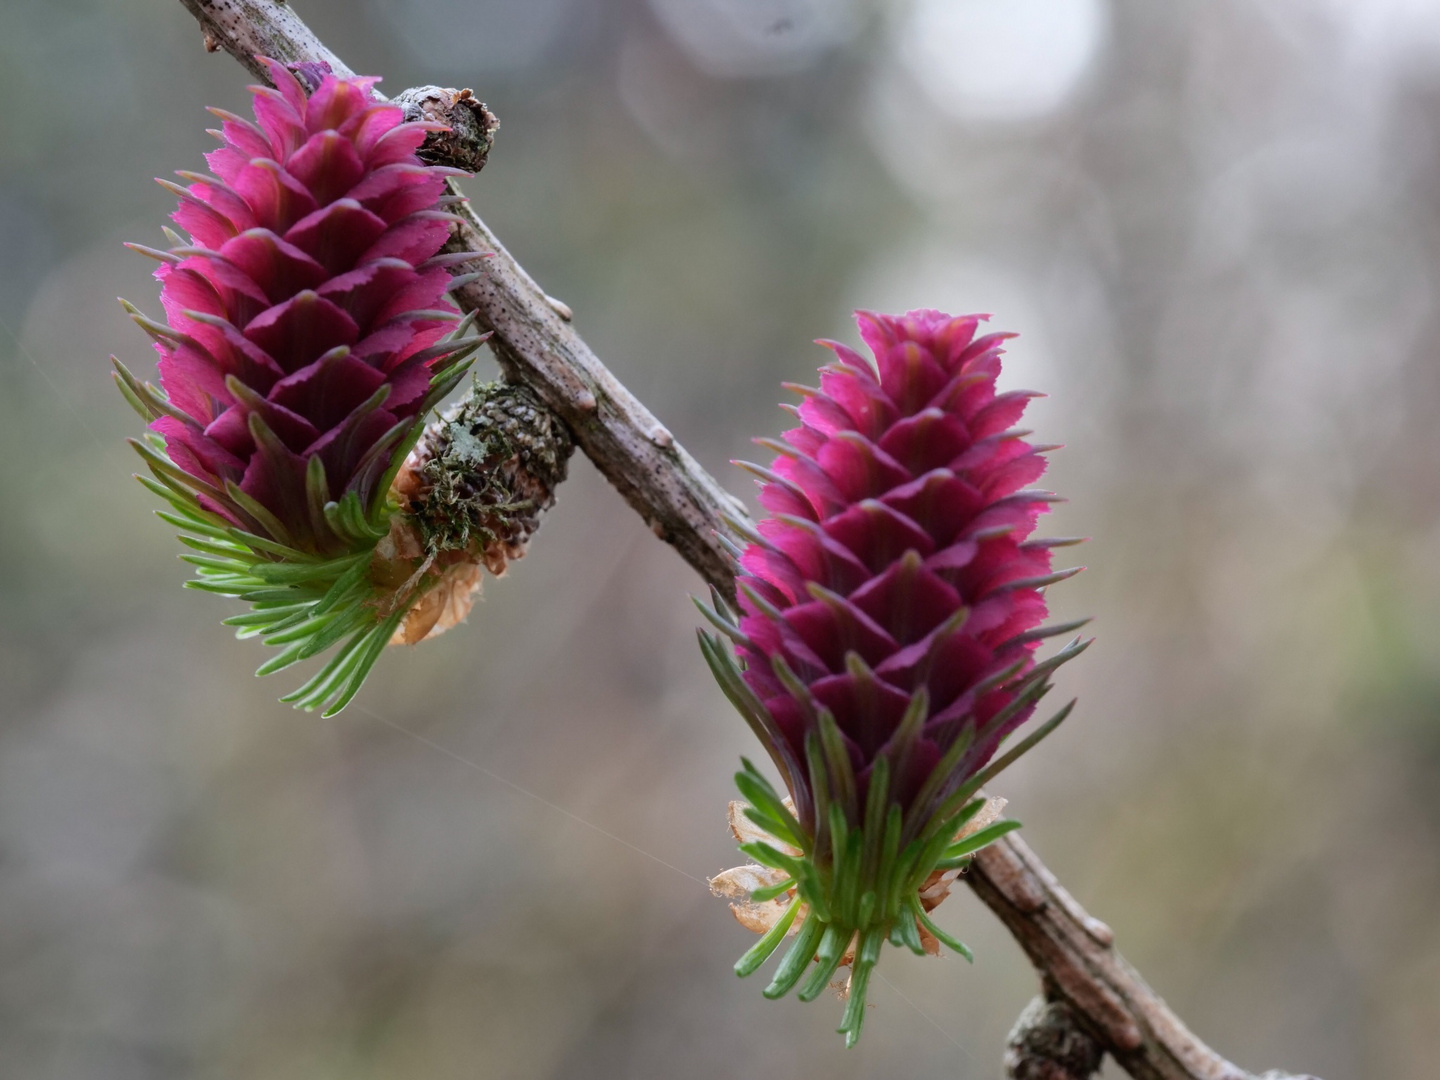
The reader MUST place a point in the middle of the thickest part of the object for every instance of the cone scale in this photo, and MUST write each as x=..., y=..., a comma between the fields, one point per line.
x=889, y=612
x=308, y=334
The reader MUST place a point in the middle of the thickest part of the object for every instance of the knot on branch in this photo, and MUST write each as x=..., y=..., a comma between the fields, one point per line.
x=482, y=475
x=472, y=126
x=472, y=493
x=1048, y=1043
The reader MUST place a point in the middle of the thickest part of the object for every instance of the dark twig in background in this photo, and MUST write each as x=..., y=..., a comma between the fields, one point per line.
x=1094, y=1000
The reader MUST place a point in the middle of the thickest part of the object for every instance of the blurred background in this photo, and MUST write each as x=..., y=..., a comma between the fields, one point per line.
x=1216, y=224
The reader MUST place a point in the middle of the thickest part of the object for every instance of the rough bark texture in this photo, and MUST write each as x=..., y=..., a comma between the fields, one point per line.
x=1073, y=951
x=472, y=126
x=473, y=492
x=1048, y=1043
x=483, y=474
x=250, y=28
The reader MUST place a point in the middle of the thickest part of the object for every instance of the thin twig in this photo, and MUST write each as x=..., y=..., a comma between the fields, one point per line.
x=684, y=505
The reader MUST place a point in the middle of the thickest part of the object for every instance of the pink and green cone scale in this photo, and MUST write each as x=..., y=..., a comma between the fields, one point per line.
x=308, y=335
x=890, y=609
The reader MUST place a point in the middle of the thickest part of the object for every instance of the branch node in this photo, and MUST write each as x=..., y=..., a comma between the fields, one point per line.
x=471, y=135
x=1048, y=1043
x=560, y=308
x=1099, y=932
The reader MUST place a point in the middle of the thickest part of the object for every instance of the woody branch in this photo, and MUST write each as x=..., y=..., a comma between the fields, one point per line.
x=1101, y=1002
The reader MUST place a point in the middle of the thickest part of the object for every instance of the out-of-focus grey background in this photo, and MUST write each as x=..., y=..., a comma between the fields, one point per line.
x=1216, y=224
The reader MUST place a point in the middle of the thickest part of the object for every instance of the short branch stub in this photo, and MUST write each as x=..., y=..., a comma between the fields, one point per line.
x=1047, y=1043
x=472, y=126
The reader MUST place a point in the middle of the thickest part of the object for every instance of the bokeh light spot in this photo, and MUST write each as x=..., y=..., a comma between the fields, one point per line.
x=1002, y=60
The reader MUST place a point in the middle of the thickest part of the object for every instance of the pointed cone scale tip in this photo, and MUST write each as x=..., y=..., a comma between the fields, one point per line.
x=249, y=331
x=868, y=590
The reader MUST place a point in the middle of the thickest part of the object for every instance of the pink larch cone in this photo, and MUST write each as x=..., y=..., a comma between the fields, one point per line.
x=889, y=612
x=308, y=335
